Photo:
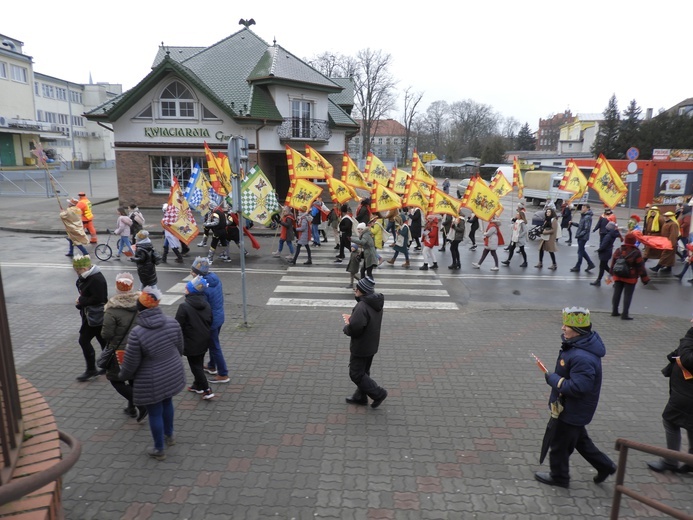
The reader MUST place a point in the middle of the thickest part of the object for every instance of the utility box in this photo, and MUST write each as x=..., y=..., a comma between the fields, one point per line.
x=29, y=161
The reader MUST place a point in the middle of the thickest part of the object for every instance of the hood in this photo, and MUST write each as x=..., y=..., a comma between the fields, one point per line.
x=144, y=242
x=153, y=318
x=591, y=343
x=374, y=300
x=198, y=301
x=92, y=270
x=123, y=301
x=212, y=279
x=127, y=220
x=588, y=213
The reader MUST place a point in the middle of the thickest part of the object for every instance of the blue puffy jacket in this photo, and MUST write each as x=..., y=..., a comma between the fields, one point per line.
x=215, y=296
x=578, y=378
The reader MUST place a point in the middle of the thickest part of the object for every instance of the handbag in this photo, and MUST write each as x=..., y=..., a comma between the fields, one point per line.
x=94, y=314
x=450, y=234
x=399, y=241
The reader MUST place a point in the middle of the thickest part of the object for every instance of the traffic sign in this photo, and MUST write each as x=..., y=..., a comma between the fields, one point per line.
x=633, y=153
x=632, y=167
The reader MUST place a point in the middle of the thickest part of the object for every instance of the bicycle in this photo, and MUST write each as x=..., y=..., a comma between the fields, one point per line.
x=104, y=252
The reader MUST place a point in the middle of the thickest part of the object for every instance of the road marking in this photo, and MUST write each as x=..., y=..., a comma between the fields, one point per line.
x=345, y=278
x=341, y=290
x=299, y=302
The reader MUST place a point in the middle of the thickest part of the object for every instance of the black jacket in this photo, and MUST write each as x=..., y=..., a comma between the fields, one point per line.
x=679, y=409
x=92, y=288
x=364, y=325
x=146, y=259
x=195, y=318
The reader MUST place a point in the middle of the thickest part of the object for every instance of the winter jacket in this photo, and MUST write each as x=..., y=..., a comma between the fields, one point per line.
x=146, y=259
x=363, y=213
x=635, y=261
x=566, y=217
x=119, y=319
x=519, y=234
x=123, y=226
x=303, y=229
x=473, y=224
x=153, y=358
x=584, y=227
x=364, y=325
x=578, y=378
x=601, y=225
x=458, y=226
x=606, y=245
x=431, y=238
x=92, y=288
x=288, y=224
x=346, y=226
x=491, y=237
x=548, y=236
x=194, y=316
x=679, y=409
x=370, y=255
x=215, y=297
x=404, y=232
x=415, y=226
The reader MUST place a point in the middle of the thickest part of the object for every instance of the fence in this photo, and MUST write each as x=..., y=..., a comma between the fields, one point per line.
x=31, y=183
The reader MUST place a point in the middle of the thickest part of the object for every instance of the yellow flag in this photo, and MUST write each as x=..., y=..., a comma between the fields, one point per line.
x=517, y=178
x=414, y=197
x=573, y=180
x=300, y=167
x=442, y=203
x=607, y=183
x=376, y=171
x=419, y=172
x=398, y=181
x=481, y=200
x=384, y=199
x=351, y=174
x=318, y=159
x=340, y=191
x=178, y=218
x=301, y=194
x=217, y=176
x=500, y=185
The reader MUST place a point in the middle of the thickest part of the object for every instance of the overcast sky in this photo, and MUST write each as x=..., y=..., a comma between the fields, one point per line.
x=526, y=59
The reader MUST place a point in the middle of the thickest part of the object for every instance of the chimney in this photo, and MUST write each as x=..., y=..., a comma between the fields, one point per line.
x=648, y=114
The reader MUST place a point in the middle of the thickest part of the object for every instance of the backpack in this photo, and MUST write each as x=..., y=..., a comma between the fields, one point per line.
x=621, y=266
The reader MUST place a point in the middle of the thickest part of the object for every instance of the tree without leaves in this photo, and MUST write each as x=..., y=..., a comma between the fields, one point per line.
x=471, y=122
x=525, y=139
x=411, y=102
x=434, y=125
x=607, y=136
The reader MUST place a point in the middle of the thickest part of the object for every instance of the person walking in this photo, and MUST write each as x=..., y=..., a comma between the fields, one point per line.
x=84, y=205
x=286, y=233
x=171, y=242
x=153, y=361
x=625, y=283
x=346, y=226
x=354, y=265
x=194, y=316
x=146, y=258
x=303, y=232
x=492, y=239
x=120, y=316
x=473, y=226
x=430, y=240
x=652, y=226
x=363, y=211
x=415, y=225
x=518, y=238
x=217, y=222
x=576, y=384
x=445, y=228
x=316, y=213
x=122, y=231
x=678, y=412
x=604, y=219
x=686, y=262
x=72, y=218
x=363, y=327
x=401, y=244
x=605, y=251
x=93, y=295
x=670, y=229
x=333, y=223
x=582, y=235
x=215, y=297
x=566, y=219
x=137, y=219
x=458, y=224
x=369, y=255
x=548, y=238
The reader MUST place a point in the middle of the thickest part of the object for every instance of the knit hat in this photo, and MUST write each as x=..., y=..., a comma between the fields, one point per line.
x=197, y=285
x=635, y=217
x=81, y=262
x=142, y=234
x=361, y=226
x=629, y=239
x=354, y=246
x=150, y=297
x=366, y=285
x=578, y=319
x=124, y=282
x=200, y=265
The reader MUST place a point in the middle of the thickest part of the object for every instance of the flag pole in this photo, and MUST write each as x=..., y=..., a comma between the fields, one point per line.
x=237, y=149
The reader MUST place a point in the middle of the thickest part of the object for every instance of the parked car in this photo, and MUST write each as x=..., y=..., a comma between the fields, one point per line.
x=462, y=187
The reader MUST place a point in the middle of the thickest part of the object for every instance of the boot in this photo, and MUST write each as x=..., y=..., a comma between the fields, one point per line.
x=442, y=249
x=210, y=255
x=165, y=255
x=423, y=267
x=391, y=261
x=435, y=265
x=596, y=283
x=179, y=257
x=406, y=264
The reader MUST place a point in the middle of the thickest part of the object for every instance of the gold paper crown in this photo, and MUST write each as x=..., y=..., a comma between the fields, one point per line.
x=576, y=317
x=81, y=262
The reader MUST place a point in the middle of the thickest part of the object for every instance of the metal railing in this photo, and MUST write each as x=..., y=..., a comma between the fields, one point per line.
x=299, y=129
x=623, y=445
x=29, y=183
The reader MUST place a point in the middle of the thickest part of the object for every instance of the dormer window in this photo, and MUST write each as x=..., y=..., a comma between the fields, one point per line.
x=177, y=102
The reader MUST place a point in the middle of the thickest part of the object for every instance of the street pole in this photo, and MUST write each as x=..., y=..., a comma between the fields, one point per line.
x=238, y=152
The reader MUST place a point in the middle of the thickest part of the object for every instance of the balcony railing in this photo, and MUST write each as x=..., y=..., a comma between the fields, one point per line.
x=298, y=129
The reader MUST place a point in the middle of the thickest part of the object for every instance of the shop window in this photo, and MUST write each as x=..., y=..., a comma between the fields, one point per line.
x=166, y=167
x=177, y=102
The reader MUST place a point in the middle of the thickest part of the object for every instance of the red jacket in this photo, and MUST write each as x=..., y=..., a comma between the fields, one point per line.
x=635, y=262
x=431, y=239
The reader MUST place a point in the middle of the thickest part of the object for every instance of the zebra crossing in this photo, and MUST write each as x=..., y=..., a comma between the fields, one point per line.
x=324, y=284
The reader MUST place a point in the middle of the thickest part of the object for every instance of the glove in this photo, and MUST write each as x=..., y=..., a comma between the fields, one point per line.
x=546, y=376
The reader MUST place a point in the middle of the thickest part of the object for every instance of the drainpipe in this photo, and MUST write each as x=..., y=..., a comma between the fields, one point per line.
x=257, y=141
